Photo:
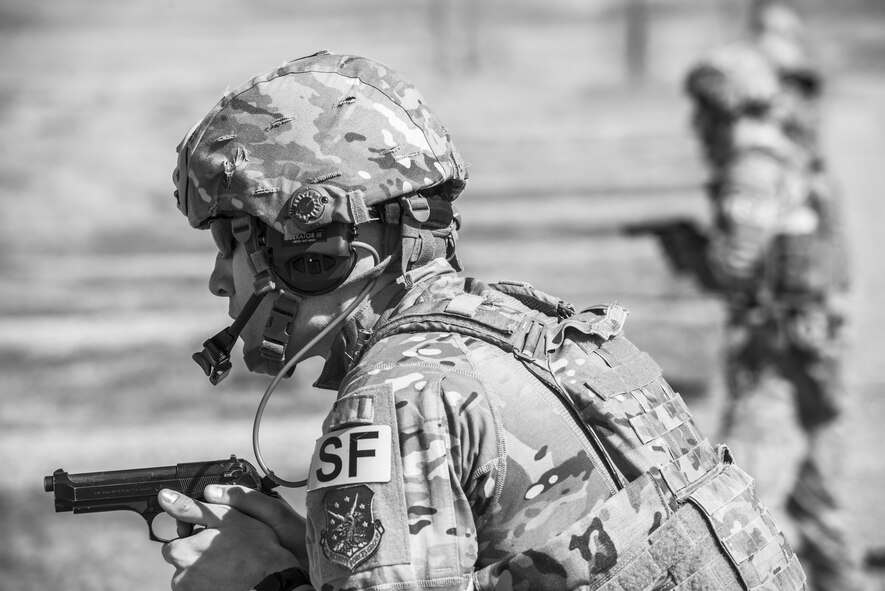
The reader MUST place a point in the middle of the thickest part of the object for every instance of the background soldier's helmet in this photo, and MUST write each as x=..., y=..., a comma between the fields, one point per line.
x=321, y=139
x=733, y=80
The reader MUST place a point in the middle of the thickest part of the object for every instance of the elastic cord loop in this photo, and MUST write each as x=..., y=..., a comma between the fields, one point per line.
x=287, y=367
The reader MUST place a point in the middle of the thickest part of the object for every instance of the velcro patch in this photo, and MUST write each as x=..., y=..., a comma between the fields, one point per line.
x=351, y=456
x=352, y=533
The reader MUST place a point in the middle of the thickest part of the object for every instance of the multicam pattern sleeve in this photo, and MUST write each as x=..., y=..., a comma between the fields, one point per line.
x=484, y=462
x=417, y=528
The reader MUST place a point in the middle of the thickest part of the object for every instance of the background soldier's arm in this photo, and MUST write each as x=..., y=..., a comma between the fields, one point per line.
x=684, y=246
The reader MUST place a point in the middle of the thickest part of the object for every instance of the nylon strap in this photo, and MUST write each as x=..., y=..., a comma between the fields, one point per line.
x=278, y=332
x=417, y=244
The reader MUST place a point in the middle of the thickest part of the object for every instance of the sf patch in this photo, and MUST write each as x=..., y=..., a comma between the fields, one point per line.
x=352, y=533
x=351, y=456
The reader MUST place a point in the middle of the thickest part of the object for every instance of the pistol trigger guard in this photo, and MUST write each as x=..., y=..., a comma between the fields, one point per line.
x=149, y=517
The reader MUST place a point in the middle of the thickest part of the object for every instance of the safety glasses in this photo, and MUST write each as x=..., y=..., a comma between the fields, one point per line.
x=223, y=236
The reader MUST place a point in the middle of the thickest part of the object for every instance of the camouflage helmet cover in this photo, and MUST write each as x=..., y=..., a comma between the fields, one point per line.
x=733, y=78
x=321, y=139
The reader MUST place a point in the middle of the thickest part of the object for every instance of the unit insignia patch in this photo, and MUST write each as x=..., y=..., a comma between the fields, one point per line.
x=352, y=533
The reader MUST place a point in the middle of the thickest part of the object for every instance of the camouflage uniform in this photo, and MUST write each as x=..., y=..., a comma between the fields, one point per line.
x=778, y=255
x=494, y=482
x=487, y=462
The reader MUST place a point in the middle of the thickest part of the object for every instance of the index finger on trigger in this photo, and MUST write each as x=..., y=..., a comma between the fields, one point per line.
x=184, y=508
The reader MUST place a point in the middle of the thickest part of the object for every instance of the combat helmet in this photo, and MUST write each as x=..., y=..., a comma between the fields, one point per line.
x=296, y=159
x=733, y=80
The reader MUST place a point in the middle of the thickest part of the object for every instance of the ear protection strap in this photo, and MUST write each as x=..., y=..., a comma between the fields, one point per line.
x=245, y=231
x=272, y=351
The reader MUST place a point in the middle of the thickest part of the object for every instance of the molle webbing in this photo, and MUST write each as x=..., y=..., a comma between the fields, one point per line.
x=615, y=385
x=748, y=533
x=686, y=550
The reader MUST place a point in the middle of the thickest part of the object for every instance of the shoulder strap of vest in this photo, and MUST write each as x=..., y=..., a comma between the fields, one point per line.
x=466, y=314
x=525, y=335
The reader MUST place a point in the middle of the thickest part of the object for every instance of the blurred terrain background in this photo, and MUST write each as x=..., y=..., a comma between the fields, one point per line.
x=570, y=114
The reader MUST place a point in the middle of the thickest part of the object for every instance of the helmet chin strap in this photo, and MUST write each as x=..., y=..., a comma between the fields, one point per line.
x=270, y=355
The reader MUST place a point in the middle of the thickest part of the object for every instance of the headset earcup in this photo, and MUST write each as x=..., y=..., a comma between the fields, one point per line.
x=314, y=262
x=315, y=273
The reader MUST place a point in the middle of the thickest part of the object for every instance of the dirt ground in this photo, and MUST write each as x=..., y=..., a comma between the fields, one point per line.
x=102, y=285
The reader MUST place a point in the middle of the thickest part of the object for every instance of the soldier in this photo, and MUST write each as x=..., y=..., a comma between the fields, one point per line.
x=484, y=436
x=776, y=251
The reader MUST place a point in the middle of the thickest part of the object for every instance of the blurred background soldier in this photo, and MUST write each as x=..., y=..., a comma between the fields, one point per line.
x=776, y=252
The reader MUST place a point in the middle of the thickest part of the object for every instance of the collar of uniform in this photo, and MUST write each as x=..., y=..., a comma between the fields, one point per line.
x=425, y=283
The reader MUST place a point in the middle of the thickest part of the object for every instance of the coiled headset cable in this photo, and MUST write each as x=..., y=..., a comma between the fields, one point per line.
x=338, y=320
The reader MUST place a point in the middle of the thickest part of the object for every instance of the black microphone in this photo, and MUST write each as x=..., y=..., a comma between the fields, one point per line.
x=214, y=359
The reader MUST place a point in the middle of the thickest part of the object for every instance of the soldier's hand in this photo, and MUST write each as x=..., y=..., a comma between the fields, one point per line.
x=274, y=512
x=228, y=549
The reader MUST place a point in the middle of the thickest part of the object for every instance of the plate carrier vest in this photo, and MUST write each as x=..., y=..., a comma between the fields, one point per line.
x=684, y=515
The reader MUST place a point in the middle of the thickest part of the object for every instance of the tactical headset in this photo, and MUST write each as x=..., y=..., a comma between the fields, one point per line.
x=316, y=261
x=311, y=263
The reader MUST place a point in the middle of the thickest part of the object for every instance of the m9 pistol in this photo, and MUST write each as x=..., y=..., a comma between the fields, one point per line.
x=137, y=489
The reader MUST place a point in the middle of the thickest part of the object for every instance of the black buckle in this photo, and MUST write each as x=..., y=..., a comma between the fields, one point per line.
x=214, y=359
x=416, y=207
